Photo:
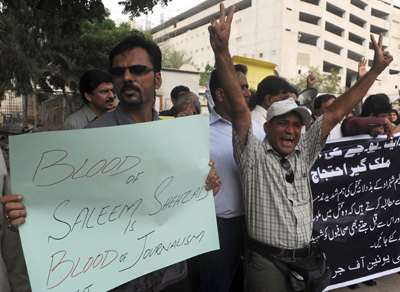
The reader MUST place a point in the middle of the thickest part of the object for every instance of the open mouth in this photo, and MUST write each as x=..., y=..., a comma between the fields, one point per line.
x=287, y=141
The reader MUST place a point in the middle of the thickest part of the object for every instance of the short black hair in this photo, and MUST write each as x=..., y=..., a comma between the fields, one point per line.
x=321, y=99
x=272, y=85
x=138, y=39
x=241, y=68
x=91, y=79
x=214, y=82
x=178, y=89
x=376, y=104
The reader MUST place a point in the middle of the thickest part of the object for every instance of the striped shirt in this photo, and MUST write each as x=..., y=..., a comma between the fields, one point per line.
x=278, y=213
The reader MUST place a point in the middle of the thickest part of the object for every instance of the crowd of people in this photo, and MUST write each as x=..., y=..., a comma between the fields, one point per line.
x=260, y=161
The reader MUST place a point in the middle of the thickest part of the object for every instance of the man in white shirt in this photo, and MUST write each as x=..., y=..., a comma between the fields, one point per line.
x=271, y=89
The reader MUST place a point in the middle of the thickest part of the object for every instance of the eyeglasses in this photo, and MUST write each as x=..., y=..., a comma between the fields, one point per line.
x=290, y=174
x=135, y=69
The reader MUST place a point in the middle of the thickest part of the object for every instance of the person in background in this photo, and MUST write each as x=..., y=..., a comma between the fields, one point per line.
x=175, y=93
x=321, y=103
x=188, y=104
x=394, y=117
x=373, y=120
x=96, y=90
x=271, y=89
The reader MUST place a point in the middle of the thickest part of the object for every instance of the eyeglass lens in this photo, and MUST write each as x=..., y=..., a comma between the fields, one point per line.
x=136, y=69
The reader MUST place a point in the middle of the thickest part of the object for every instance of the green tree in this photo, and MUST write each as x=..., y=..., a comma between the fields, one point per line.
x=137, y=7
x=204, y=75
x=32, y=32
x=325, y=83
x=173, y=58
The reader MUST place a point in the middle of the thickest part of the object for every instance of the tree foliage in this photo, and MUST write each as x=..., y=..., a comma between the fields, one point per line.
x=204, y=75
x=137, y=7
x=173, y=58
x=325, y=83
x=32, y=32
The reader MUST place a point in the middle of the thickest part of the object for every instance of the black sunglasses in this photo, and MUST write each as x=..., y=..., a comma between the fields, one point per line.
x=135, y=69
x=290, y=174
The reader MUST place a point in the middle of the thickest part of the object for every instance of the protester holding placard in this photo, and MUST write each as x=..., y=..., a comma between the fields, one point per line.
x=135, y=64
x=274, y=172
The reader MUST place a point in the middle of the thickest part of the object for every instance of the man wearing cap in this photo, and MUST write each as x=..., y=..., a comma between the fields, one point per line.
x=274, y=172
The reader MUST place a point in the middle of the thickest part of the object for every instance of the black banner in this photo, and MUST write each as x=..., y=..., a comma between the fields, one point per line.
x=356, y=192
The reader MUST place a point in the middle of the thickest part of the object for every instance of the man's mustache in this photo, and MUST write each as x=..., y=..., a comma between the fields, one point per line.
x=110, y=99
x=130, y=86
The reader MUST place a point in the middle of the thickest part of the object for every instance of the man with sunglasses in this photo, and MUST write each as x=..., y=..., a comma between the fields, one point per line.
x=135, y=65
x=96, y=90
x=275, y=172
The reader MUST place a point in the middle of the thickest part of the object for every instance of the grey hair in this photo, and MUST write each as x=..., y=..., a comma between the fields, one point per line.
x=187, y=98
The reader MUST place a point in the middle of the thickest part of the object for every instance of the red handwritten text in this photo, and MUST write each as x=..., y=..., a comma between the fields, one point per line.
x=56, y=163
x=61, y=269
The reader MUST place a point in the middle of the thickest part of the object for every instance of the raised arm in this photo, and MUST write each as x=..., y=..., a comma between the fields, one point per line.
x=348, y=100
x=219, y=39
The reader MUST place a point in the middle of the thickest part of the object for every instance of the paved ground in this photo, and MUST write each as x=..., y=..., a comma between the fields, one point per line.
x=390, y=283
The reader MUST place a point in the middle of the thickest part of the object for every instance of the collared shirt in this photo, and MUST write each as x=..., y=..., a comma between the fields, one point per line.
x=259, y=115
x=229, y=200
x=157, y=280
x=278, y=213
x=79, y=119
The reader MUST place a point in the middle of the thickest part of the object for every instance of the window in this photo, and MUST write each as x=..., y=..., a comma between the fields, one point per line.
x=357, y=21
x=312, y=19
x=314, y=2
x=378, y=30
x=334, y=29
x=329, y=67
x=308, y=39
x=358, y=3
x=334, y=10
x=354, y=56
x=356, y=39
x=332, y=48
x=379, y=14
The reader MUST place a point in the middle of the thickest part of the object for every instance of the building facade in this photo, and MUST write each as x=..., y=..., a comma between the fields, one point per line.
x=296, y=34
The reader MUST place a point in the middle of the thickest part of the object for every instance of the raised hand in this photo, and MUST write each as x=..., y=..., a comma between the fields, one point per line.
x=381, y=59
x=362, y=68
x=221, y=30
x=310, y=80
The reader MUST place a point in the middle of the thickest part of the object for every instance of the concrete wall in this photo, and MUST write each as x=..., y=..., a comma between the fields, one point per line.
x=172, y=78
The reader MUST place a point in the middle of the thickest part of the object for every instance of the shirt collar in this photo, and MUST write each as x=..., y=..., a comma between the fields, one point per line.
x=124, y=119
x=262, y=111
x=90, y=115
x=215, y=117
